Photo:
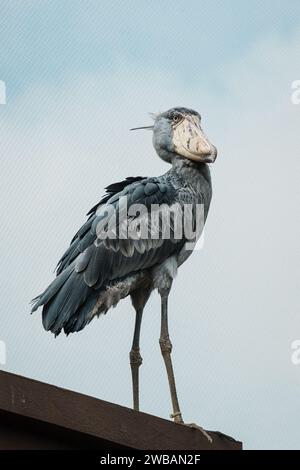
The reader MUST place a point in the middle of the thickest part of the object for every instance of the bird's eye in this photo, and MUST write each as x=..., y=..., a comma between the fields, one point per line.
x=176, y=118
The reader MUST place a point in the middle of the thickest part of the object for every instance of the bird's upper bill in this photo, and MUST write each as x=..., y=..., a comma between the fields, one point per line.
x=189, y=139
x=179, y=131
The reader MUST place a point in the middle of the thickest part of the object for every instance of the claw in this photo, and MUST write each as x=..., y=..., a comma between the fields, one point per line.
x=195, y=426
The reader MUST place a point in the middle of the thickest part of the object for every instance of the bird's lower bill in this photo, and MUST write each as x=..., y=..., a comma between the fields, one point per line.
x=191, y=142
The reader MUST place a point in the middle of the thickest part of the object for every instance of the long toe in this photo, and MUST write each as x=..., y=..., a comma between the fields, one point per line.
x=195, y=426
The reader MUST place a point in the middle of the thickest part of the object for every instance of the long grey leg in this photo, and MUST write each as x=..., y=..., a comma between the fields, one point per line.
x=136, y=359
x=166, y=348
x=139, y=298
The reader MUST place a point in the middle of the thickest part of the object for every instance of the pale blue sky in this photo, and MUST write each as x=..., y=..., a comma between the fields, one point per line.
x=45, y=40
x=79, y=74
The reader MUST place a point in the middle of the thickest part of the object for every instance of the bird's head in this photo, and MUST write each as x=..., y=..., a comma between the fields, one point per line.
x=178, y=131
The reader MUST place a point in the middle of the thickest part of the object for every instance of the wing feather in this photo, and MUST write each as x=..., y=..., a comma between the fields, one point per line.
x=91, y=263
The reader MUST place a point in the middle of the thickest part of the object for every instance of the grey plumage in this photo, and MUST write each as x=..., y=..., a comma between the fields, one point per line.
x=96, y=272
x=85, y=270
x=88, y=271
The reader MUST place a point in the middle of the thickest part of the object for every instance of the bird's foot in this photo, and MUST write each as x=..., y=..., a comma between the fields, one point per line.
x=178, y=419
x=195, y=426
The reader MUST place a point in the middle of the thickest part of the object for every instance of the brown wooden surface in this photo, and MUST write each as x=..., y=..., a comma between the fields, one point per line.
x=35, y=415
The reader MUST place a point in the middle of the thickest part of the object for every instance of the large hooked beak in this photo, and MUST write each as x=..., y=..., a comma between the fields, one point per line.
x=191, y=142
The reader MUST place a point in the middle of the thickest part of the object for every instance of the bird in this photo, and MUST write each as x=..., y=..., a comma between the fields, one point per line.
x=97, y=270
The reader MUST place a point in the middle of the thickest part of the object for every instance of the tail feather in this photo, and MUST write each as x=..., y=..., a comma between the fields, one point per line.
x=82, y=316
x=52, y=289
x=67, y=302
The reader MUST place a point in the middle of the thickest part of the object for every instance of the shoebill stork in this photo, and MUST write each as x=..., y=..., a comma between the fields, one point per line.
x=94, y=274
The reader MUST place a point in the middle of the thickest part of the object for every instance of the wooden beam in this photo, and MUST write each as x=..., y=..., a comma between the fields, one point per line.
x=36, y=415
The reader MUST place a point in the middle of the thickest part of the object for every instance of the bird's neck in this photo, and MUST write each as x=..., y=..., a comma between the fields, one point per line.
x=190, y=170
x=195, y=177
